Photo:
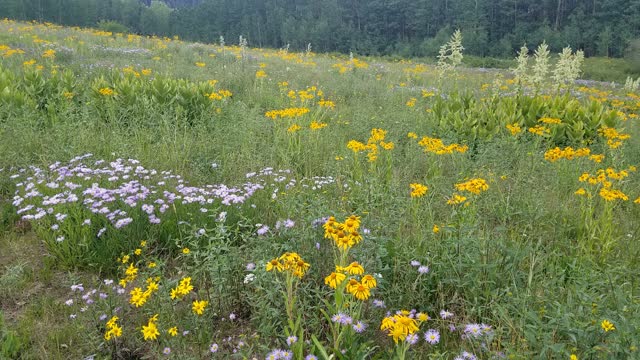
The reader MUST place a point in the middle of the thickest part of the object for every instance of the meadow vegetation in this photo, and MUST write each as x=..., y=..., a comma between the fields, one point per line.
x=165, y=199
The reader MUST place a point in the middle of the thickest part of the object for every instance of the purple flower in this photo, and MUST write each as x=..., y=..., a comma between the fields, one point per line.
x=432, y=336
x=445, y=314
x=359, y=327
x=232, y=316
x=103, y=317
x=473, y=330
x=292, y=340
x=251, y=266
x=69, y=302
x=213, y=348
x=77, y=287
x=289, y=223
x=415, y=263
x=379, y=303
x=310, y=357
x=412, y=339
x=423, y=269
x=166, y=351
x=262, y=230
x=341, y=318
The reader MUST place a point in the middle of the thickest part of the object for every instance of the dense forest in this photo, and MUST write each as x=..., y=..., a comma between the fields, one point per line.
x=403, y=27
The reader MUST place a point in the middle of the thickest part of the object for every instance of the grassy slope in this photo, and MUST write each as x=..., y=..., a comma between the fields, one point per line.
x=519, y=266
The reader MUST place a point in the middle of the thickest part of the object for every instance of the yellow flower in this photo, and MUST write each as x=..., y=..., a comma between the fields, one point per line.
x=581, y=191
x=456, y=199
x=436, y=229
x=334, y=279
x=138, y=252
x=186, y=251
x=354, y=269
x=150, y=331
x=418, y=190
x=573, y=357
x=261, y=74
x=143, y=243
x=412, y=135
x=173, y=331
x=199, y=306
x=607, y=326
x=50, y=53
x=360, y=291
x=369, y=281
x=151, y=265
x=293, y=128
x=105, y=91
x=200, y=64
x=475, y=186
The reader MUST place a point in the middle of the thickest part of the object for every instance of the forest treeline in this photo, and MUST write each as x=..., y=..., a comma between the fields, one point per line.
x=494, y=28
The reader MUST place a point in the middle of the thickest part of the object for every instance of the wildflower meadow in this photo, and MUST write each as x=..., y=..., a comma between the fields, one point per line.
x=161, y=199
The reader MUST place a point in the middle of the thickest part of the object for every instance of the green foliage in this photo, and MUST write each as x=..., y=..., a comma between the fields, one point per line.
x=112, y=26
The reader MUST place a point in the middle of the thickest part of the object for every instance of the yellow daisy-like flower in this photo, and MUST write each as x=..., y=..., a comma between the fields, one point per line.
x=186, y=251
x=198, y=307
x=334, y=279
x=173, y=331
x=418, y=190
x=607, y=326
x=355, y=269
x=369, y=281
x=436, y=229
x=150, y=331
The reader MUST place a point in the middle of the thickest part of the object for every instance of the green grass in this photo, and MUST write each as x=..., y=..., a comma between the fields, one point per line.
x=525, y=257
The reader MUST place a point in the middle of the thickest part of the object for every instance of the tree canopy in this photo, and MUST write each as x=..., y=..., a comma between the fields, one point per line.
x=404, y=27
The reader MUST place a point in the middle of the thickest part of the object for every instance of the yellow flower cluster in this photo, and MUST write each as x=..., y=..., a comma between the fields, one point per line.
x=550, y=121
x=183, y=288
x=105, y=91
x=293, y=128
x=345, y=234
x=261, y=74
x=317, y=125
x=113, y=329
x=289, y=262
x=375, y=141
x=411, y=102
x=326, y=103
x=514, y=128
x=614, y=138
x=139, y=297
x=360, y=289
x=539, y=130
x=569, y=153
x=402, y=324
x=456, y=199
x=418, y=190
x=131, y=272
x=604, y=177
x=49, y=53
x=475, y=186
x=219, y=95
x=437, y=146
x=198, y=306
x=287, y=113
x=6, y=51
x=150, y=331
